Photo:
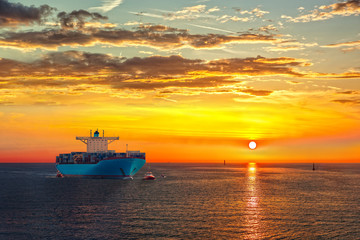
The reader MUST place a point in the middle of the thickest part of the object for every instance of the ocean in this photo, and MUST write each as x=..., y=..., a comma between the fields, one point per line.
x=194, y=201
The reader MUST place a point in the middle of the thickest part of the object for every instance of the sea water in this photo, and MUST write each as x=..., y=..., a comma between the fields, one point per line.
x=194, y=201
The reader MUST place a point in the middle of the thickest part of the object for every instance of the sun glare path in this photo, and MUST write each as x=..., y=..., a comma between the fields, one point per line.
x=252, y=167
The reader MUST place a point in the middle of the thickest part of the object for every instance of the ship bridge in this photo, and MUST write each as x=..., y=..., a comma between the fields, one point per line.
x=95, y=143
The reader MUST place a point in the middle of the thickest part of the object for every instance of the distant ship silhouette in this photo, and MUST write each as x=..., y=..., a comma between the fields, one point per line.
x=313, y=166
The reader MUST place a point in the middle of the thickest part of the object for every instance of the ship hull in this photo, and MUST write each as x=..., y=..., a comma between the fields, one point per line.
x=122, y=168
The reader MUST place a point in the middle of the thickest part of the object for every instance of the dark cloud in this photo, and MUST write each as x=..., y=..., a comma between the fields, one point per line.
x=76, y=72
x=348, y=92
x=77, y=19
x=347, y=101
x=160, y=66
x=156, y=36
x=47, y=38
x=350, y=5
x=349, y=97
x=257, y=92
x=78, y=63
x=13, y=14
x=256, y=66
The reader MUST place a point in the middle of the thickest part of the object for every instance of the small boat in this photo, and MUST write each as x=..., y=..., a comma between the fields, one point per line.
x=59, y=175
x=313, y=166
x=149, y=176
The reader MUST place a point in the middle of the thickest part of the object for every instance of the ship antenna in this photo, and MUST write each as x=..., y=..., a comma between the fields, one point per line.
x=103, y=133
x=90, y=133
x=127, y=154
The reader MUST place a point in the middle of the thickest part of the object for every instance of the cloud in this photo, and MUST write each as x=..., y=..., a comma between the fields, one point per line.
x=346, y=46
x=76, y=73
x=324, y=12
x=226, y=18
x=193, y=9
x=132, y=23
x=146, y=52
x=107, y=5
x=156, y=36
x=214, y=9
x=160, y=28
x=78, y=63
x=253, y=15
x=268, y=28
x=77, y=19
x=188, y=13
x=14, y=14
x=349, y=92
x=350, y=74
x=257, y=92
x=256, y=11
x=347, y=101
x=74, y=68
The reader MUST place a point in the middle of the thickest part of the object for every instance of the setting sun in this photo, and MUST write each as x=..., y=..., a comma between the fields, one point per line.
x=252, y=145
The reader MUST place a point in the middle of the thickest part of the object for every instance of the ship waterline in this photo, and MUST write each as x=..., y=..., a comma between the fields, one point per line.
x=122, y=168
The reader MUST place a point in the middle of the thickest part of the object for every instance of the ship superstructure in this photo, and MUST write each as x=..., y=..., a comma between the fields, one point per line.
x=96, y=143
x=98, y=161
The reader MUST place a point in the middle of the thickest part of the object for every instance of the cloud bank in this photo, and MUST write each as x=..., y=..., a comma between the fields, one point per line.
x=157, y=36
x=324, y=12
x=14, y=14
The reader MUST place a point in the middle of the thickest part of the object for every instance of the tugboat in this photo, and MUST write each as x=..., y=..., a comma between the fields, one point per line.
x=149, y=176
x=59, y=175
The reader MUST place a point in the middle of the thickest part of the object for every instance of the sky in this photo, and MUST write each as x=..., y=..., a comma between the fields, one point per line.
x=183, y=81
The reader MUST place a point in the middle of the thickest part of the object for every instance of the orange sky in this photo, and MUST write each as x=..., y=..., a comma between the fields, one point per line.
x=193, y=85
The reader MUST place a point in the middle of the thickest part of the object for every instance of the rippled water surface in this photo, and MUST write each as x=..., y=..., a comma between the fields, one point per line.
x=194, y=201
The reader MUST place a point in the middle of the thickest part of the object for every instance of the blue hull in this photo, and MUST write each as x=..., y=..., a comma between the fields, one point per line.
x=115, y=168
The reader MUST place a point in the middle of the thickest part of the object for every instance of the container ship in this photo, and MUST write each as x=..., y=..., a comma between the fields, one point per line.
x=98, y=161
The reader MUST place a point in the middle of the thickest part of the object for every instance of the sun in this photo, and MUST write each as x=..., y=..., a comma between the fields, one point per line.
x=252, y=145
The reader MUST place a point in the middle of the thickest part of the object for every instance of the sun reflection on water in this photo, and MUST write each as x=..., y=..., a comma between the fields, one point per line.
x=252, y=212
